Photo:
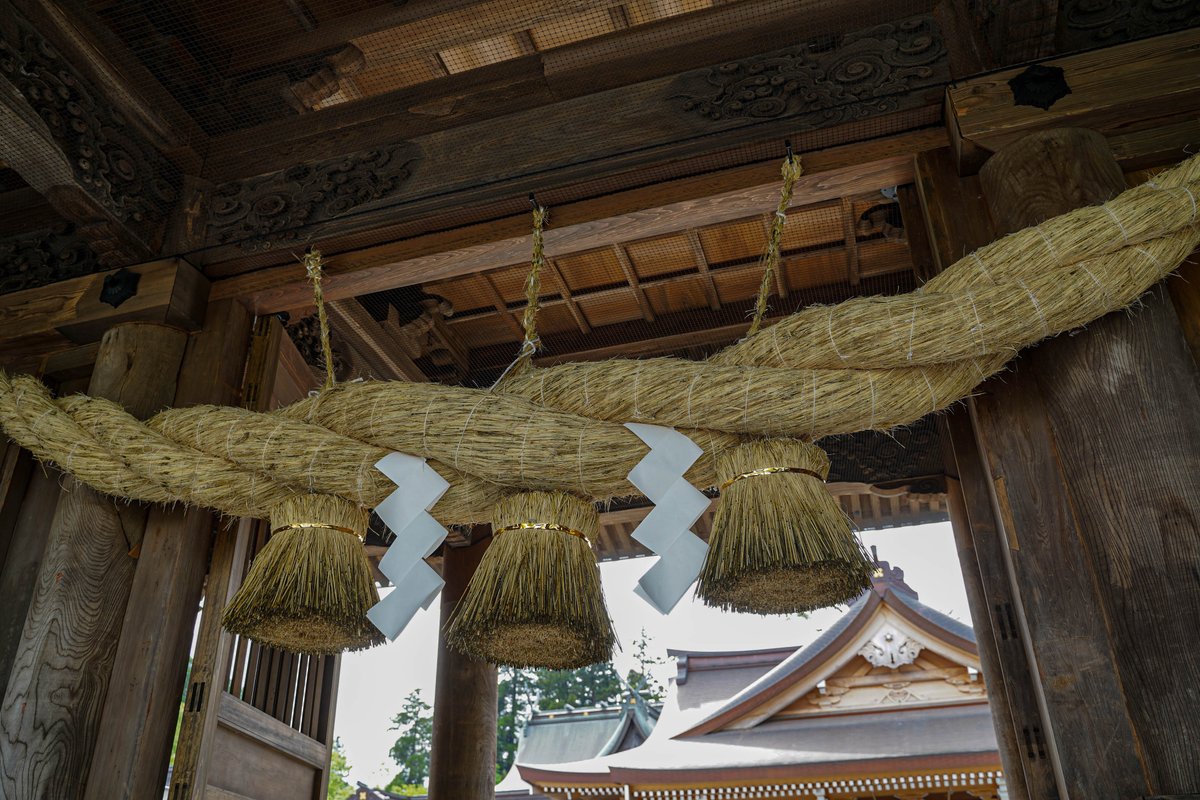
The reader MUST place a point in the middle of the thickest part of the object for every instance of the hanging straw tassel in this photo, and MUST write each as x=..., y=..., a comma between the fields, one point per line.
x=309, y=588
x=535, y=599
x=780, y=543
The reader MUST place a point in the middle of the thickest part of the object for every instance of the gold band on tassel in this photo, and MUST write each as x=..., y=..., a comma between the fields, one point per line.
x=541, y=526
x=770, y=471
x=293, y=526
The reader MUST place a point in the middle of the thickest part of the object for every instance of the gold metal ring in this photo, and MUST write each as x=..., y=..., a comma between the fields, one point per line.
x=294, y=526
x=769, y=471
x=541, y=526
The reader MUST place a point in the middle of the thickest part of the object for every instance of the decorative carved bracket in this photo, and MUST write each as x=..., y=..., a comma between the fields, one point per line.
x=45, y=256
x=72, y=145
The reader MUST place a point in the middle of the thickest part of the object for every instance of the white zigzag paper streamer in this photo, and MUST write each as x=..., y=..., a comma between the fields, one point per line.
x=666, y=530
x=406, y=512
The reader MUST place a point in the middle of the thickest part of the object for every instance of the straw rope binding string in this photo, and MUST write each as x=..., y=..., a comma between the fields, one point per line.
x=533, y=286
x=312, y=266
x=790, y=172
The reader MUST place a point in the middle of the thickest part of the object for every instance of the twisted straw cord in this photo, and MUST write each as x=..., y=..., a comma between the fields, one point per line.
x=323, y=443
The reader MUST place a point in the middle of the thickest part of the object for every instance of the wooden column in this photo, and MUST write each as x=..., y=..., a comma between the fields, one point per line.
x=957, y=221
x=1092, y=444
x=463, y=764
x=1012, y=692
x=28, y=504
x=134, y=744
x=51, y=713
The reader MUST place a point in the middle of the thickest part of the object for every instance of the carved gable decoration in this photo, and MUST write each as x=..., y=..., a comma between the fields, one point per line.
x=125, y=174
x=891, y=648
x=828, y=81
x=269, y=209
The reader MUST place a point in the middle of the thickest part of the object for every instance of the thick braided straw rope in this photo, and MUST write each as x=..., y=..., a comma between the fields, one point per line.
x=868, y=363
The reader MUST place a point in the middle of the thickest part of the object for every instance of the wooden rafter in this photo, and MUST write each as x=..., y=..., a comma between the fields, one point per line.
x=710, y=286
x=565, y=293
x=631, y=277
x=696, y=328
x=851, y=237
x=502, y=306
x=374, y=342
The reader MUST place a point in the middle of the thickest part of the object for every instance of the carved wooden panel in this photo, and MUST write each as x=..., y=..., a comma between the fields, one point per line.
x=825, y=80
x=270, y=209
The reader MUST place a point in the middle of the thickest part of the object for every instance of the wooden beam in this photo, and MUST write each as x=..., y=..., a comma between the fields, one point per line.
x=372, y=341
x=28, y=504
x=873, y=251
x=48, y=319
x=91, y=47
x=51, y=715
x=943, y=196
x=666, y=121
x=603, y=222
x=1021, y=730
x=644, y=52
x=415, y=29
x=1118, y=91
x=94, y=165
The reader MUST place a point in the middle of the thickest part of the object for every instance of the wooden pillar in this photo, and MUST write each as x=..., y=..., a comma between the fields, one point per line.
x=1091, y=445
x=463, y=758
x=28, y=504
x=957, y=221
x=1012, y=693
x=134, y=744
x=51, y=712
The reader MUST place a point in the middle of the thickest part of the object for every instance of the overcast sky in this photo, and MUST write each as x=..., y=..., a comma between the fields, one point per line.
x=375, y=682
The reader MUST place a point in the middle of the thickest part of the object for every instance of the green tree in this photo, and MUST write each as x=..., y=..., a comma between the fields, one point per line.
x=405, y=789
x=516, y=697
x=339, y=771
x=642, y=678
x=595, y=685
x=411, y=749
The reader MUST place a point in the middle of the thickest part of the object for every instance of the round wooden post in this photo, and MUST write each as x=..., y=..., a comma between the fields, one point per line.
x=60, y=675
x=463, y=759
x=1092, y=444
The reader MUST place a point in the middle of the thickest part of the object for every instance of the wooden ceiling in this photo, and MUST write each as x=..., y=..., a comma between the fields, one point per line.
x=683, y=292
